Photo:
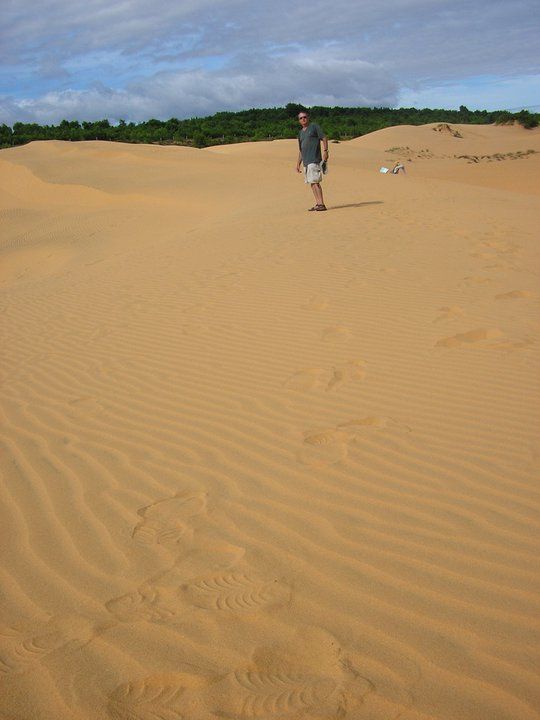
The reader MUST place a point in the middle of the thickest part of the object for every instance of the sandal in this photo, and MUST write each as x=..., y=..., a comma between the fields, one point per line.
x=320, y=208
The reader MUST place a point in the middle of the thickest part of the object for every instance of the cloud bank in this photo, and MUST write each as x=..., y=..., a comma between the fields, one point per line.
x=134, y=61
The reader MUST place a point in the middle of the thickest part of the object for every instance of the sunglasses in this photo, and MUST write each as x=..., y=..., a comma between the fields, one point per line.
x=302, y=117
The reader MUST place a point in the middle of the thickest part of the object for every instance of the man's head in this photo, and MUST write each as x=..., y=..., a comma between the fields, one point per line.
x=303, y=118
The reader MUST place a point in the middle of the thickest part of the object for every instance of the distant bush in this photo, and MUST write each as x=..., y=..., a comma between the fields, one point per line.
x=200, y=140
x=523, y=117
x=6, y=136
x=504, y=118
x=340, y=123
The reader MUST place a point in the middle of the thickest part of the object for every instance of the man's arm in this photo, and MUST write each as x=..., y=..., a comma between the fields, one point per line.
x=299, y=161
x=324, y=141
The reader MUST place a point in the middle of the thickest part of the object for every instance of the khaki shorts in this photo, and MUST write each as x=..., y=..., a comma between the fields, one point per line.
x=313, y=174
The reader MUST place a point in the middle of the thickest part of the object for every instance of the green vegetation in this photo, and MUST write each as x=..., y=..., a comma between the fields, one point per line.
x=339, y=123
x=523, y=117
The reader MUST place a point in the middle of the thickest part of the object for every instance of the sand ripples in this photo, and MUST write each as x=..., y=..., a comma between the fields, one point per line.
x=248, y=476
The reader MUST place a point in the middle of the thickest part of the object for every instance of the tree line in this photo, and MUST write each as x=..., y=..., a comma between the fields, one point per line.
x=340, y=123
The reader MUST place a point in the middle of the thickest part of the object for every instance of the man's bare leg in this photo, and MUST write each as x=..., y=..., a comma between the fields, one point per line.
x=317, y=192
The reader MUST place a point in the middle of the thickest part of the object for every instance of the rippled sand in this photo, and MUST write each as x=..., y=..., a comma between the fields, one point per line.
x=265, y=463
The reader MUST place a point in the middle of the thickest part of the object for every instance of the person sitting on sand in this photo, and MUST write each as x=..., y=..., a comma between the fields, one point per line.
x=309, y=142
x=397, y=167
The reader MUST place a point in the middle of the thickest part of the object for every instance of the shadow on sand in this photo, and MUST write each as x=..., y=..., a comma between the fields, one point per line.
x=371, y=202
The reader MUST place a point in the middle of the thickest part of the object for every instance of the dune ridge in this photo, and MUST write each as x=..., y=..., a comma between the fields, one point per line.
x=264, y=463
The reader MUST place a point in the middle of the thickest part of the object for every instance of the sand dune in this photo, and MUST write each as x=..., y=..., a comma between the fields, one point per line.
x=264, y=463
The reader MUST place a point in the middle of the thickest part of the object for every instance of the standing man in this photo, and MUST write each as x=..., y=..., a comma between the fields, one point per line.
x=309, y=141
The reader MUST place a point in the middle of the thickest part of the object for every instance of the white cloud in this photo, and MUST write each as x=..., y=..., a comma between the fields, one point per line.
x=184, y=94
x=268, y=52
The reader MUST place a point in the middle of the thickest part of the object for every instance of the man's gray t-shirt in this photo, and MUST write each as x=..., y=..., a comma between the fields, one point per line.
x=309, y=141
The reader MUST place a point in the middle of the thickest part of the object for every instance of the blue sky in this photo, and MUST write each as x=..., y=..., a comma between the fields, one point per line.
x=135, y=60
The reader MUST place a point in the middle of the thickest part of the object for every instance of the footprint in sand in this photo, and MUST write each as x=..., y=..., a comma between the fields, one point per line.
x=198, y=550
x=208, y=554
x=496, y=255
x=500, y=266
x=449, y=313
x=476, y=280
x=325, y=447
x=304, y=380
x=167, y=696
x=336, y=334
x=502, y=247
x=316, y=303
x=84, y=406
x=318, y=378
x=512, y=345
x=514, y=295
x=310, y=673
x=233, y=591
x=482, y=255
x=164, y=522
x=330, y=446
x=473, y=336
x=21, y=648
x=245, y=694
x=372, y=422
x=354, y=370
x=163, y=598
x=236, y=592
x=150, y=603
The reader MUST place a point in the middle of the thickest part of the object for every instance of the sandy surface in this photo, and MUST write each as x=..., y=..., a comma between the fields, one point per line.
x=264, y=463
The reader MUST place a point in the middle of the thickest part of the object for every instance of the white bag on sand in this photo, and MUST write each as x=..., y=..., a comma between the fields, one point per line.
x=384, y=170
